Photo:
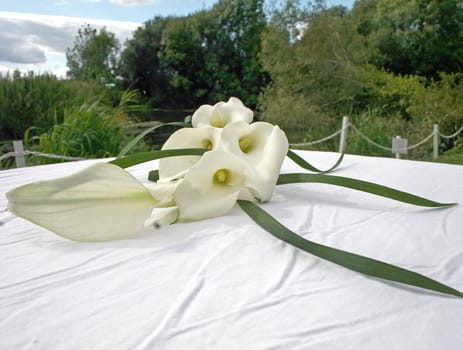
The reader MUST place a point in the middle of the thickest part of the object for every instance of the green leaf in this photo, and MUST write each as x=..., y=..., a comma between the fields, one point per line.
x=132, y=143
x=351, y=261
x=153, y=175
x=360, y=185
x=304, y=164
x=142, y=157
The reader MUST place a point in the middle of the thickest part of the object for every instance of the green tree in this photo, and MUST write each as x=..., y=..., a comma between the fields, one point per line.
x=233, y=54
x=140, y=64
x=183, y=55
x=94, y=56
x=422, y=37
x=313, y=57
x=202, y=58
x=214, y=54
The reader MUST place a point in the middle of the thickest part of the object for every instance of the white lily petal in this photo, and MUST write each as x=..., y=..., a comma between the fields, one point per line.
x=201, y=117
x=163, y=191
x=221, y=114
x=235, y=110
x=263, y=147
x=102, y=202
x=162, y=216
x=177, y=177
x=186, y=138
x=211, y=187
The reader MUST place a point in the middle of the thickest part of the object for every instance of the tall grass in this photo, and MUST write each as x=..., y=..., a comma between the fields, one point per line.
x=91, y=130
x=38, y=101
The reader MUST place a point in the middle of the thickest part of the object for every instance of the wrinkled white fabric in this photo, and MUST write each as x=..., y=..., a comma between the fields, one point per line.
x=224, y=283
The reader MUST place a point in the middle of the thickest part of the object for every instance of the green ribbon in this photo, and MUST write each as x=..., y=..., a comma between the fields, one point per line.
x=351, y=261
x=360, y=185
x=142, y=157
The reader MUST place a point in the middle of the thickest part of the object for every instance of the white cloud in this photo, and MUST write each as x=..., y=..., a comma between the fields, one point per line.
x=28, y=39
x=11, y=52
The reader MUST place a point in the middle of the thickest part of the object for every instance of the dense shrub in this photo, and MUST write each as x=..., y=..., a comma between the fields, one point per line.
x=37, y=101
x=91, y=130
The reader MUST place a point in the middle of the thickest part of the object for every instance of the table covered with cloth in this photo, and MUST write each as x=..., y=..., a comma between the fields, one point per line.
x=225, y=283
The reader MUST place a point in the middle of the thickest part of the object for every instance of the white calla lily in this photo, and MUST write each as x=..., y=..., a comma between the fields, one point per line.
x=172, y=167
x=102, y=202
x=221, y=114
x=263, y=147
x=212, y=186
x=162, y=216
x=163, y=191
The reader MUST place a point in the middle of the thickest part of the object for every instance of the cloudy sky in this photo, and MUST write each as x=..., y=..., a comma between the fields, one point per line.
x=34, y=34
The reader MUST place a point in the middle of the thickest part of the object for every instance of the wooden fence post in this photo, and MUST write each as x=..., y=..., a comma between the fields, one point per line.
x=435, y=141
x=343, y=138
x=18, y=148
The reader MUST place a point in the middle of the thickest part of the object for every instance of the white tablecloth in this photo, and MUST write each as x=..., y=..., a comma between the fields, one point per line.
x=225, y=283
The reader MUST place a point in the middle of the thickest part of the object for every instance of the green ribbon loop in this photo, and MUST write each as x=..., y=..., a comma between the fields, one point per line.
x=360, y=185
x=142, y=157
x=355, y=262
x=307, y=166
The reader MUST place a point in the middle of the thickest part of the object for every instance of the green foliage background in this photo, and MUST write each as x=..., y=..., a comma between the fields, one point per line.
x=390, y=65
x=394, y=66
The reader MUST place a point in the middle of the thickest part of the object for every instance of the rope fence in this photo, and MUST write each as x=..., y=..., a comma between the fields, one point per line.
x=39, y=154
x=19, y=154
x=399, y=145
x=453, y=135
x=329, y=137
x=366, y=138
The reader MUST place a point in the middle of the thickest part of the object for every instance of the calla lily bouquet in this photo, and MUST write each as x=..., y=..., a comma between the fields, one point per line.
x=206, y=168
